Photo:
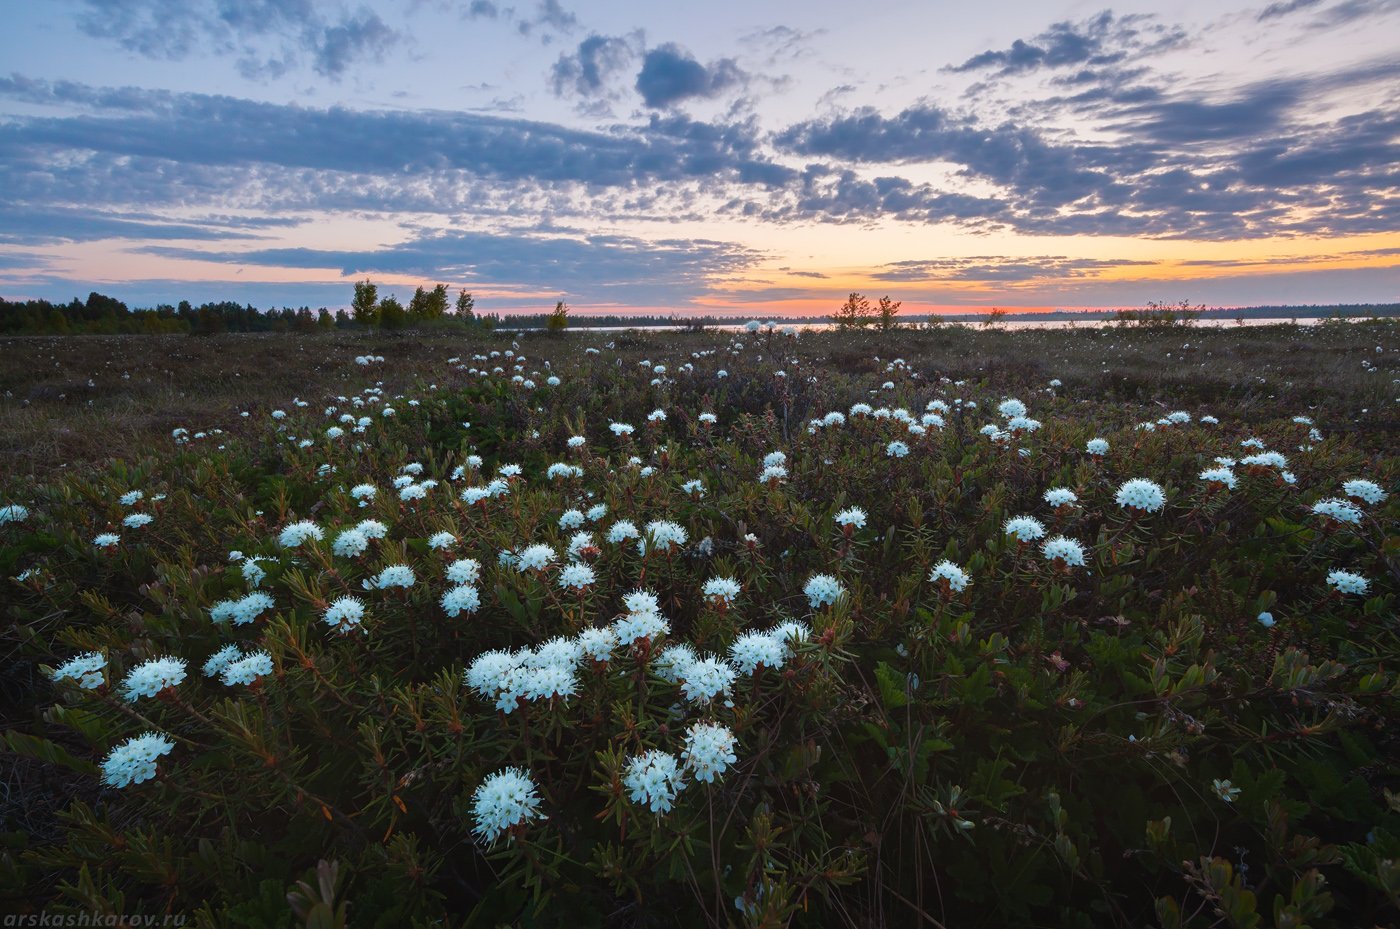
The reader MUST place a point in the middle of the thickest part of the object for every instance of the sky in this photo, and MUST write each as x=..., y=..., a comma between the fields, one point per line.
x=750, y=158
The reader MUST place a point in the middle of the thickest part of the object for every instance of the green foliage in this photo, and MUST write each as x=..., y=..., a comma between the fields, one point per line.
x=1122, y=744
x=466, y=304
x=855, y=313
x=428, y=305
x=391, y=314
x=558, y=320
x=364, y=306
x=1161, y=315
x=886, y=313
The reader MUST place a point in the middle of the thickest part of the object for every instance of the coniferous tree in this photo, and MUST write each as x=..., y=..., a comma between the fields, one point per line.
x=855, y=313
x=558, y=320
x=466, y=304
x=887, y=312
x=392, y=315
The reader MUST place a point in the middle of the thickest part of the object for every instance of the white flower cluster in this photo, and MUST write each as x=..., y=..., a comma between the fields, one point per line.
x=665, y=535
x=722, y=589
x=509, y=678
x=85, y=670
x=1024, y=528
x=461, y=599
x=398, y=575
x=822, y=590
x=503, y=801
x=535, y=558
x=13, y=513
x=151, y=677
x=1338, y=510
x=955, y=577
x=134, y=761
x=1222, y=476
x=643, y=621
x=1064, y=550
x=853, y=517
x=243, y=610
x=344, y=614
x=248, y=669
x=577, y=577
x=653, y=780
x=1347, y=583
x=351, y=543
x=1140, y=494
x=1363, y=490
x=464, y=571
x=709, y=750
x=753, y=651
x=298, y=533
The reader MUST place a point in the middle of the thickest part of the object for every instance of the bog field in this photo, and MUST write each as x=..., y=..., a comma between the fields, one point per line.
x=944, y=627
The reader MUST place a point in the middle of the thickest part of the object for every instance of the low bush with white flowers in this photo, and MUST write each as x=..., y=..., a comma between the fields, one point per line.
x=726, y=635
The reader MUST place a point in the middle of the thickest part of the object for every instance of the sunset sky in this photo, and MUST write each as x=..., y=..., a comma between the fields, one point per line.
x=759, y=158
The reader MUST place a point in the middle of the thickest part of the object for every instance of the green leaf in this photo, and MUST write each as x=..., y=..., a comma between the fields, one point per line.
x=33, y=747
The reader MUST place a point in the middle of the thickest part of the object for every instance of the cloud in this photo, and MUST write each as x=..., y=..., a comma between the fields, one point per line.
x=549, y=18
x=1101, y=40
x=35, y=225
x=267, y=37
x=597, y=268
x=1022, y=271
x=587, y=71
x=840, y=195
x=12, y=260
x=363, y=37
x=670, y=75
x=778, y=43
x=1349, y=11
x=1017, y=157
x=210, y=131
x=1200, y=161
x=1338, y=14
x=482, y=9
x=1256, y=160
x=1284, y=7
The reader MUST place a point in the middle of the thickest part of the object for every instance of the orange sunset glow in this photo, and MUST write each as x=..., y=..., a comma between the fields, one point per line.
x=1016, y=156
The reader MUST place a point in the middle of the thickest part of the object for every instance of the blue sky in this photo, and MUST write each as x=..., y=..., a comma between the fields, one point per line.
x=731, y=157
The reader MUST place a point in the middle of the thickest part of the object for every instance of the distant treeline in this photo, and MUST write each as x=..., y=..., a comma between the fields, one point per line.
x=620, y=321
x=1244, y=312
x=103, y=315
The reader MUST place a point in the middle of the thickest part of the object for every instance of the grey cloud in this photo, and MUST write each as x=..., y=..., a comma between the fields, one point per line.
x=365, y=36
x=1187, y=163
x=601, y=267
x=778, y=43
x=1101, y=40
x=1000, y=269
x=550, y=18
x=34, y=225
x=1328, y=17
x=587, y=71
x=195, y=129
x=1284, y=7
x=267, y=37
x=670, y=75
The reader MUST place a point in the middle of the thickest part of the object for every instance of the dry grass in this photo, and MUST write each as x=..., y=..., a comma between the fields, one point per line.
x=79, y=401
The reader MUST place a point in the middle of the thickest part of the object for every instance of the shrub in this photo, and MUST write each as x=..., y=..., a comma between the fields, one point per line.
x=906, y=716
